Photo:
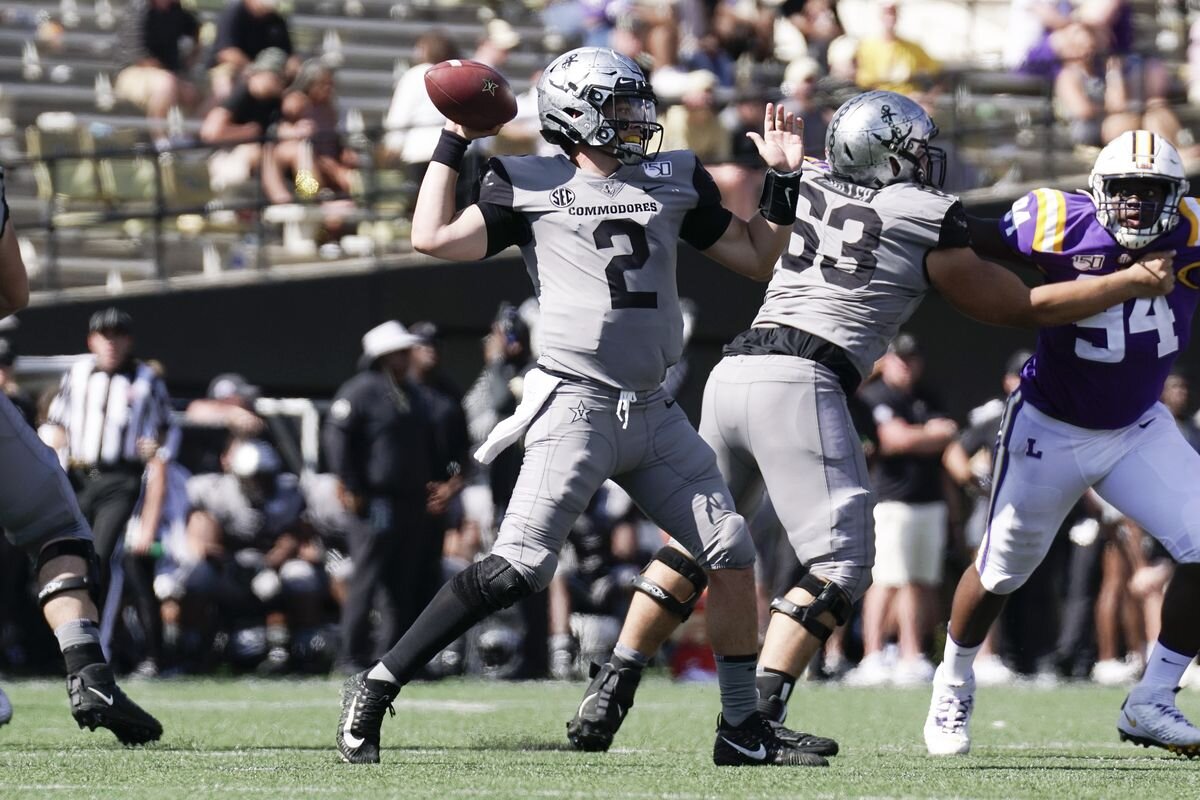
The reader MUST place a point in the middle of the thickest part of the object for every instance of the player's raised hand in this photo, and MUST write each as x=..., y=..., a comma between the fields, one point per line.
x=782, y=143
x=1153, y=274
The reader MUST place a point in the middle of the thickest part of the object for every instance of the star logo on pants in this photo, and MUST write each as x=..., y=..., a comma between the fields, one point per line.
x=580, y=412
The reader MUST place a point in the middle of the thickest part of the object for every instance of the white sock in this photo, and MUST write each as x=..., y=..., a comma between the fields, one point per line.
x=381, y=673
x=1164, y=668
x=958, y=662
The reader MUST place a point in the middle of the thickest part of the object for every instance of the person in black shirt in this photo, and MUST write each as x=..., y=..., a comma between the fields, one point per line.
x=245, y=29
x=379, y=443
x=157, y=41
x=249, y=112
x=910, y=516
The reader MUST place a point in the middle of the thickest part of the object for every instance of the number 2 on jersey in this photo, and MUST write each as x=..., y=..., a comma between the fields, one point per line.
x=860, y=252
x=618, y=289
x=1146, y=315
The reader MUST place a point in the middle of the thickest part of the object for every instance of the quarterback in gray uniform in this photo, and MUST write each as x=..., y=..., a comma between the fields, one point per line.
x=599, y=228
x=39, y=514
x=872, y=235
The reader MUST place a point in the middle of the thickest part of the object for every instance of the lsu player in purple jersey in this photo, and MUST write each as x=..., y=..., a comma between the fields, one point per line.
x=1087, y=415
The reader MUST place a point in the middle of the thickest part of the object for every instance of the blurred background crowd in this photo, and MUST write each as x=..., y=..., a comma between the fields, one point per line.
x=159, y=145
x=185, y=137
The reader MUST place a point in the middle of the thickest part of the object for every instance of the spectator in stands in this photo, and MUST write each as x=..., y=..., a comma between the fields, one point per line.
x=817, y=21
x=378, y=442
x=158, y=43
x=842, y=60
x=800, y=97
x=115, y=415
x=413, y=123
x=310, y=149
x=910, y=517
x=693, y=124
x=498, y=41
x=667, y=76
x=1030, y=23
x=889, y=62
x=249, y=112
x=244, y=30
x=709, y=56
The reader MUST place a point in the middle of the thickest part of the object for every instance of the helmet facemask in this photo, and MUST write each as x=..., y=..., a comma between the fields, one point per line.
x=1137, y=209
x=630, y=127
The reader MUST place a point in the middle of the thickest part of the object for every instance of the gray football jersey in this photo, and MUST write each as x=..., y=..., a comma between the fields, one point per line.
x=601, y=254
x=854, y=271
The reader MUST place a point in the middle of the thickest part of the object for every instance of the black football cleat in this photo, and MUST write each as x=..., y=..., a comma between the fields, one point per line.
x=363, y=703
x=754, y=744
x=97, y=702
x=775, y=712
x=605, y=703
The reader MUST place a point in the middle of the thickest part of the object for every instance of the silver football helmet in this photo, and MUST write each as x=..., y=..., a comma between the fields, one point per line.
x=878, y=138
x=1138, y=182
x=598, y=97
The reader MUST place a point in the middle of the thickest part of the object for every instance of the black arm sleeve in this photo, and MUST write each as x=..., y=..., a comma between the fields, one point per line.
x=988, y=241
x=708, y=221
x=505, y=225
x=955, y=230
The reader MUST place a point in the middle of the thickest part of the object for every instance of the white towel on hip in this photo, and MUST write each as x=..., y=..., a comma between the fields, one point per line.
x=538, y=386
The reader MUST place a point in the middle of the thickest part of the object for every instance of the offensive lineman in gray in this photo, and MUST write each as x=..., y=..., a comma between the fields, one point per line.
x=39, y=514
x=599, y=229
x=872, y=236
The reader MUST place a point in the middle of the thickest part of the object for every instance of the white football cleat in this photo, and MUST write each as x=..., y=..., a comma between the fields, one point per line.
x=947, y=728
x=1150, y=718
x=5, y=708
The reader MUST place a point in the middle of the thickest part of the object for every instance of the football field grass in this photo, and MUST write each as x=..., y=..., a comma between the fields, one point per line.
x=467, y=739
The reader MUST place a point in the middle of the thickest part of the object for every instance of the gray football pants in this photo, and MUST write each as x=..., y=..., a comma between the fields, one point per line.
x=782, y=423
x=577, y=442
x=37, y=503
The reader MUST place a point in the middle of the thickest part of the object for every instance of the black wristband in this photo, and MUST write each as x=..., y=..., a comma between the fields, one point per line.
x=451, y=149
x=779, y=195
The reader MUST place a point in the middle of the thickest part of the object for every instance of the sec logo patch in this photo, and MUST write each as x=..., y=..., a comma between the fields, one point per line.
x=562, y=197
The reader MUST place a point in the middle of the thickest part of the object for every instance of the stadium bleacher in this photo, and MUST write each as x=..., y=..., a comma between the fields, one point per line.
x=57, y=66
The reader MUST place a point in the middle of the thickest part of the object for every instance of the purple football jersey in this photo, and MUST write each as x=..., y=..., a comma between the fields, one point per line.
x=1105, y=371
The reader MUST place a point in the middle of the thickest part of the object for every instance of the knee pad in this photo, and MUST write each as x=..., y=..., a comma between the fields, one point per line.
x=827, y=597
x=490, y=584
x=89, y=581
x=683, y=565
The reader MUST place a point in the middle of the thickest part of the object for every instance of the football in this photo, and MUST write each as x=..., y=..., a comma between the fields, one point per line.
x=470, y=93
